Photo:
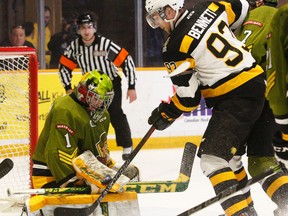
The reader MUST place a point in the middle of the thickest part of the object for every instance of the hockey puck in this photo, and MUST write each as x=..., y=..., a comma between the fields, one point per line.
x=106, y=180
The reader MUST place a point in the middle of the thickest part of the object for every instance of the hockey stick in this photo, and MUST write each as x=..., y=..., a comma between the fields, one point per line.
x=178, y=185
x=60, y=211
x=231, y=190
x=5, y=166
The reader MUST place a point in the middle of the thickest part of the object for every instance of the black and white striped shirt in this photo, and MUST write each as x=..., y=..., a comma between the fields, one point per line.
x=102, y=54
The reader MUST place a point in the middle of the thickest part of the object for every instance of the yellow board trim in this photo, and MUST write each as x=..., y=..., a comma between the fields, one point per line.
x=159, y=142
x=152, y=143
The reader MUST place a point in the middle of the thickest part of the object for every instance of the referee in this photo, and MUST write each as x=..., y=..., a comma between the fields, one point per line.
x=91, y=51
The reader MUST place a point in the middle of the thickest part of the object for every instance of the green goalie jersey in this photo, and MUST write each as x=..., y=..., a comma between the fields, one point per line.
x=277, y=80
x=255, y=32
x=66, y=134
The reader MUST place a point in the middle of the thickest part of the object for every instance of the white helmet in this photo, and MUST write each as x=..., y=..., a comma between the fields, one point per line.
x=158, y=6
x=153, y=5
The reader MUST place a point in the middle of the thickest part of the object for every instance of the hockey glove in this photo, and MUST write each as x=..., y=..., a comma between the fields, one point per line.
x=280, y=146
x=162, y=117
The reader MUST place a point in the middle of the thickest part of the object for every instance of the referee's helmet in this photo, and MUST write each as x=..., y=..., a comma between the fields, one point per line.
x=86, y=18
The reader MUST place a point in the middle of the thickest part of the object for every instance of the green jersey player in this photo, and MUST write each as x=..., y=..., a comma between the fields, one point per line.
x=277, y=80
x=254, y=32
x=75, y=123
x=256, y=28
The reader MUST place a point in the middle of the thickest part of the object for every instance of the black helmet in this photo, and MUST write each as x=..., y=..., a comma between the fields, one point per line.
x=85, y=18
x=272, y=3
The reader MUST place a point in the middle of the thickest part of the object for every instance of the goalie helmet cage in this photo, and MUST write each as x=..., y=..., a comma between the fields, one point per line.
x=18, y=114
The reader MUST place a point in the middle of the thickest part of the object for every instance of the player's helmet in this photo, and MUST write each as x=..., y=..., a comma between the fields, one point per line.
x=86, y=18
x=272, y=3
x=158, y=6
x=153, y=5
x=95, y=91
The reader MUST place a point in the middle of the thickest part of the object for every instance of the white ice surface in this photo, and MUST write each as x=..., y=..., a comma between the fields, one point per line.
x=165, y=165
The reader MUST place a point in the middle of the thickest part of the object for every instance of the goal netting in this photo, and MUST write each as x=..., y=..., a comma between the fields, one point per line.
x=18, y=114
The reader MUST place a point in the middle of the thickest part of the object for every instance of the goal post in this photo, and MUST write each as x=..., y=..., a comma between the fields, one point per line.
x=18, y=114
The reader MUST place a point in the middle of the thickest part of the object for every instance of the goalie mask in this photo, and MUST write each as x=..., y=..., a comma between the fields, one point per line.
x=95, y=91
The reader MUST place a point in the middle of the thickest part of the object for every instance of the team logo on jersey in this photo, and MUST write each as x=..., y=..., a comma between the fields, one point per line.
x=250, y=22
x=93, y=124
x=65, y=127
x=100, y=53
x=102, y=147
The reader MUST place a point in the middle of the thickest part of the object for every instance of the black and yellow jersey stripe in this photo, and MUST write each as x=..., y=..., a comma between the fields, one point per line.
x=203, y=37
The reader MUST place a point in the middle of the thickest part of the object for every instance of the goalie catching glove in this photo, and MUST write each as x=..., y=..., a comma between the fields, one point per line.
x=280, y=146
x=162, y=117
x=96, y=173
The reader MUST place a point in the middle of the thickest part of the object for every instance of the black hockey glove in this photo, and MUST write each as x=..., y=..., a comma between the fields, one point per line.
x=162, y=117
x=280, y=146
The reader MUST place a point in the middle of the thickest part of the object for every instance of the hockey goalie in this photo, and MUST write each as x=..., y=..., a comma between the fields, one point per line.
x=72, y=149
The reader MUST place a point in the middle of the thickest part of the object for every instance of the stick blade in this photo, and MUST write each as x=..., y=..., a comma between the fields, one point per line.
x=178, y=185
x=5, y=167
x=188, y=158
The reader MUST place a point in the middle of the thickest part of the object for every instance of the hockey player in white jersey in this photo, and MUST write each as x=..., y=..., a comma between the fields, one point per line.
x=229, y=79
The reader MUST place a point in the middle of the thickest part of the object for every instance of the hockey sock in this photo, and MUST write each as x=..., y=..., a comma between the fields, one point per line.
x=276, y=187
x=223, y=179
x=242, y=178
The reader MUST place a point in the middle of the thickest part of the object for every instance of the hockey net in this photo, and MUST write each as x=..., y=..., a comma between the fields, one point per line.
x=18, y=114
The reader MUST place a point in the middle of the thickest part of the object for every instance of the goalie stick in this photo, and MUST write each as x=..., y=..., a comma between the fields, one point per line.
x=5, y=166
x=178, y=185
x=231, y=190
x=60, y=211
